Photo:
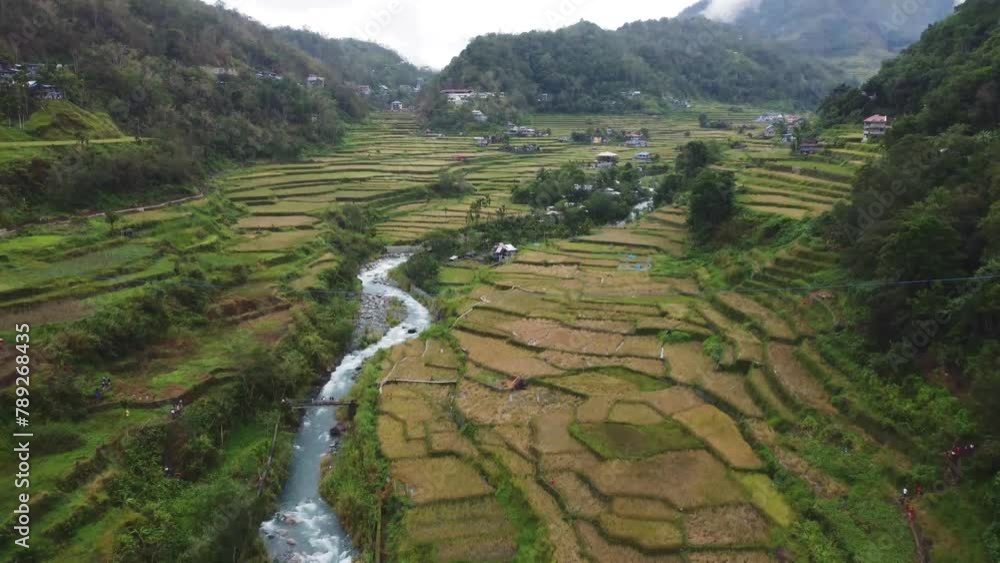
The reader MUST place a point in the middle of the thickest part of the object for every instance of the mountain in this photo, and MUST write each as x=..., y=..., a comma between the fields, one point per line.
x=859, y=33
x=929, y=208
x=948, y=78
x=209, y=84
x=359, y=62
x=584, y=68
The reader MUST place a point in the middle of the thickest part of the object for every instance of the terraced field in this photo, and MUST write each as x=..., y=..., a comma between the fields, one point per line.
x=629, y=442
x=772, y=180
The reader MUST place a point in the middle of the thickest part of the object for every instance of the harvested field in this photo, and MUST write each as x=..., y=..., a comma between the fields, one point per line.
x=687, y=480
x=576, y=495
x=796, y=380
x=647, y=534
x=740, y=525
x=560, y=532
x=435, y=479
x=541, y=333
x=451, y=442
x=471, y=530
x=598, y=383
x=731, y=389
x=568, y=361
x=729, y=557
x=601, y=550
x=637, y=508
x=671, y=401
x=633, y=413
x=719, y=431
x=499, y=356
x=773, y=325
x=688, y=363
x=488, y=406
x=394, y=442
x=596, y=409
x=551, y=435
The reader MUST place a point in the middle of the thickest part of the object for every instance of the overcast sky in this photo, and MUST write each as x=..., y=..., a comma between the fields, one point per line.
x=431, y=32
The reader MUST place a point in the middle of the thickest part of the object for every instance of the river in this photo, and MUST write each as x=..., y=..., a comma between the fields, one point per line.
x=310, y=531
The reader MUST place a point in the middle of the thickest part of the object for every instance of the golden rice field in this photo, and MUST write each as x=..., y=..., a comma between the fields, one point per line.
x=627, y=447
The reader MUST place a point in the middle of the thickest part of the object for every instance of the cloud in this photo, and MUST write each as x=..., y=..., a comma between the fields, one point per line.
x=728, y=10
x=432, y=32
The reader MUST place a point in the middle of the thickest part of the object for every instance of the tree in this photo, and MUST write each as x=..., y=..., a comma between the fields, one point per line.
x=111, y=217
x=712, y=202
x=667, y=189
x=693, y=157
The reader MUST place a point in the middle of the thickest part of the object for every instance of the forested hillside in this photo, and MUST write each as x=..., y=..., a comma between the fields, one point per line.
x=357, y=61
x=584, y=68
x=858, y=32
x=930, y=210
x=202, y=83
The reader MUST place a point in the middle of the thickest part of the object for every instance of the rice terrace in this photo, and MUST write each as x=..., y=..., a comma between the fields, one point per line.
x=693, y=289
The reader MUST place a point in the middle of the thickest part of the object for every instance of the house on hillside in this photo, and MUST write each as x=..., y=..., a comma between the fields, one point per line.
x=268, y=75
x=769, y=132
x=479, y=116
x=769, y=117
x=503, y=252
x=644, y=157
x=606, y=160
x=313, y=81
x=364, y=90
x=481, y=142
x=810, y=147
x=788, y=138
x=396, y=106
x=458, y=96
x=875, y=127
x=45, y=91
x=544, y=98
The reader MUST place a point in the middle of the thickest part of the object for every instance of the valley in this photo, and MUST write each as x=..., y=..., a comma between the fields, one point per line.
x=718, y=287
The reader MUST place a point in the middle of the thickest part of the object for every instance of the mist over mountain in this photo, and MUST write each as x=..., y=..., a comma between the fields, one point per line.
x=860, y=32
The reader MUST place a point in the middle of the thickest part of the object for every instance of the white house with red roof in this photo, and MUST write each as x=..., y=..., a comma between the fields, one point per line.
x=875, y=127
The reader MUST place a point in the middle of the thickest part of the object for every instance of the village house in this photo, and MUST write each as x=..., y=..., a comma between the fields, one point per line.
x=644, y=157
x=520, y=131
x=793, y=121
x=875, y=127
x=396, y=106
x=503, y=252
x=544, y=98
x=769, y=132
x=364, y=90
x=268, y=75
x=606, y=160
x=479, y=116
x=458, y=96
x=45, y=91
x=769, y=117
x=788, y=138
x=636, y=140
x=481, y=142
x=313, y=81
x=810, y=147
